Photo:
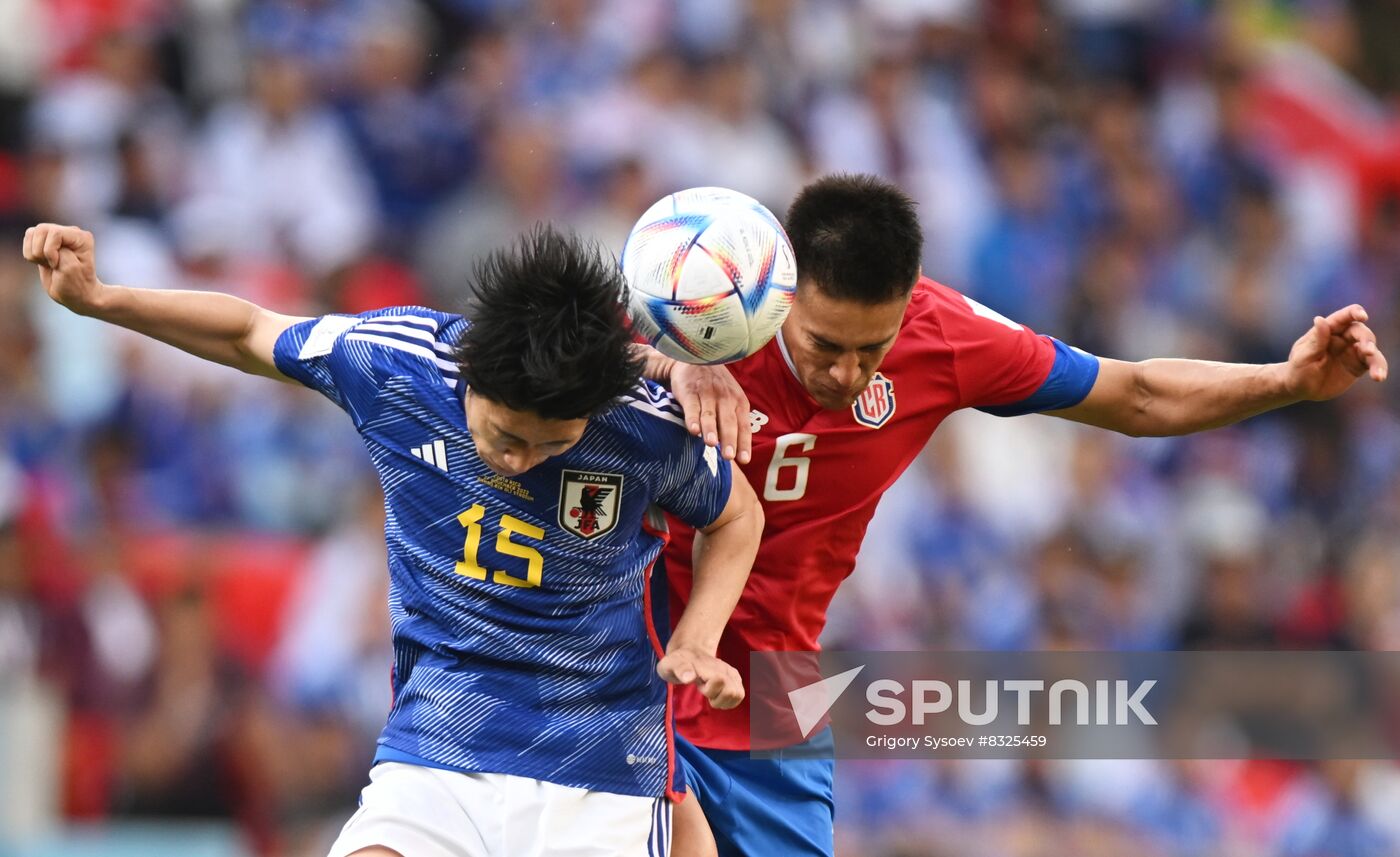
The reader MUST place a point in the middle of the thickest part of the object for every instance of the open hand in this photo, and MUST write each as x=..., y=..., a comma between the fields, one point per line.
x=1331, y=356
x=715, y=407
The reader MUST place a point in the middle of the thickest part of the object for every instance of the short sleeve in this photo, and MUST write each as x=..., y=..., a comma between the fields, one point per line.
x=695, y=481
x=1005, y=368
x=1071, y=377
x=347, y=358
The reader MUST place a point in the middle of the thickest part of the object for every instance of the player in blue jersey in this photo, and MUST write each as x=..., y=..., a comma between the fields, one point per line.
x=522, y=461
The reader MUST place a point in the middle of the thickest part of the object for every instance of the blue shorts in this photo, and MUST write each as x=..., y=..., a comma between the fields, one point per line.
x=761, y=806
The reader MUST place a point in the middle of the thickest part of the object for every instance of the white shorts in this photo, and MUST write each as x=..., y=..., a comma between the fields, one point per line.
x=427, y=812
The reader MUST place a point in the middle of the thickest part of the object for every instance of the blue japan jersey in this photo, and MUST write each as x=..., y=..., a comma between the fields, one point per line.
x=522, y=640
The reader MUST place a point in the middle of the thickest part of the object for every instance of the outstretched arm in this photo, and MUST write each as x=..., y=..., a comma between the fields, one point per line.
x=1172, y=397
x=217, y=327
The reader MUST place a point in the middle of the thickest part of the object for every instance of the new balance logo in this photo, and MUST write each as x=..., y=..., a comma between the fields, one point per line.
x=434, y=453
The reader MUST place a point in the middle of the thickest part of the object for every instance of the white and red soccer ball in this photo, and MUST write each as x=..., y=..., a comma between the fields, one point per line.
x=711, y=275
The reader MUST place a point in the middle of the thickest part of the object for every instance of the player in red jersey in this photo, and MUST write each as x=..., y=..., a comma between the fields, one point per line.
x=871, y=359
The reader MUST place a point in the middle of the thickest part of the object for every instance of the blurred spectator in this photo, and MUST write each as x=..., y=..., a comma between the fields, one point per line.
x=521, y=185
x=1335, y=820
x=1022, y=263
x=758, y=155
x=572, y=48
x=1139, y=178
x=19, y=619
x=96, y=116
x=652, y=116
x=888, y=123
x=318, y=666
x=416, y=147
x=1112, y=38
x=625, y=191
x=284, y=173
x=180, y=750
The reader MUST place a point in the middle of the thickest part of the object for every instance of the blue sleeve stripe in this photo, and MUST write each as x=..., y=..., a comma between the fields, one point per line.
x=1071, y=378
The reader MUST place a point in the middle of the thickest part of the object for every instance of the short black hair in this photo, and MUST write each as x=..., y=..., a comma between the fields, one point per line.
x=856, y=237
x=548, y=331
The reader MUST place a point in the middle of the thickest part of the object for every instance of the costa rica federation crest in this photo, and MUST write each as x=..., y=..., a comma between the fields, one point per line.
x=875, y=404
x=588, y=502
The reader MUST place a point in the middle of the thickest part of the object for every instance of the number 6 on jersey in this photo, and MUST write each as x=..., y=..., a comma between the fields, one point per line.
x=781, y=460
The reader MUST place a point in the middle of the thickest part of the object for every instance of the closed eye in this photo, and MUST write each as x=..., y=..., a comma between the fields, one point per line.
x=509, y=439
x=828, y=346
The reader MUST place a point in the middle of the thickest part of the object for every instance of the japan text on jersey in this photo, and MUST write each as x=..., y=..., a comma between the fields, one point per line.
x=521, y=640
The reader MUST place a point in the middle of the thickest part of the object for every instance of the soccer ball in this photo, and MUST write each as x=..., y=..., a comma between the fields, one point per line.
x=711, y=275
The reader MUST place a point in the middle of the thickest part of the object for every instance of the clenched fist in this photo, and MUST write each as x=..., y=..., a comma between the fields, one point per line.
x=66, y=263
x=717, y=680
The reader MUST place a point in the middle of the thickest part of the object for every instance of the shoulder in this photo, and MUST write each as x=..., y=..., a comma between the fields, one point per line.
x=648, y=407
x=951, y=315
x=424, y=317
x=933, y=299
x=925, y=323
x=388, y=341
x=643, y=434
x=649, y=421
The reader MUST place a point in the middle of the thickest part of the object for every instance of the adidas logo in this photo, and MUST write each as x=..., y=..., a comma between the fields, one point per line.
x=434, y=453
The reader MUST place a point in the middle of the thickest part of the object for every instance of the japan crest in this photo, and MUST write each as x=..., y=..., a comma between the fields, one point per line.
x=588, y=502
x=875, y=405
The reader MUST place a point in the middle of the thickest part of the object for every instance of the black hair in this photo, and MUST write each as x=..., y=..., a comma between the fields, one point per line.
x=548, y=333
x=856, y=237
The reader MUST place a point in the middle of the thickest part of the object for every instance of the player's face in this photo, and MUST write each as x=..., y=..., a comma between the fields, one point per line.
x=836, y=345
x=511, y=442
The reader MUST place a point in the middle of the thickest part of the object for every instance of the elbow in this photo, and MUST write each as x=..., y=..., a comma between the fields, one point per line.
x=243, y=342
x=759, y=519
x=1160, y=408
x=749, y=519
x=749, y=512
x=753, y=510
x=1147, y=424
x=742, y=515
x=1142, y=416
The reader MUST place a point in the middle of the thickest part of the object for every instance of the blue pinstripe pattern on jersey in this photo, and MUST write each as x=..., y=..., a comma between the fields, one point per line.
x=555, y=682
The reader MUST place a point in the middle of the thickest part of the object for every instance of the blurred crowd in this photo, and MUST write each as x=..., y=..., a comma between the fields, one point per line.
x=192, y=615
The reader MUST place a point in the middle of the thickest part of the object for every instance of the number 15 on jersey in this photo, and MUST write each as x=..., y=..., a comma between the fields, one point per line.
x=509, y=525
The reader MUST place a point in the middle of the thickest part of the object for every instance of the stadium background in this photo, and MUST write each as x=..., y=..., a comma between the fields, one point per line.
x=193, y=651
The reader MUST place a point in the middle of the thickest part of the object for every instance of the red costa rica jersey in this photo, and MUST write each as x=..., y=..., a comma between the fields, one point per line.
x=820, y=473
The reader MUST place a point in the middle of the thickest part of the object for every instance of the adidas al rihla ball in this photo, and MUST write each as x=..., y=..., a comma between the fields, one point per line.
x=711, y=275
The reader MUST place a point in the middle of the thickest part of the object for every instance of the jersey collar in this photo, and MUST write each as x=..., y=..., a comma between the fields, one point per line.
x=792, y=370
x=787, y=358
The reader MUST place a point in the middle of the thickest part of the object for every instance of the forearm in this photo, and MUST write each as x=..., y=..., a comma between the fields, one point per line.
x=657, y=366
x=217, y=327
x=723, y=558
x=1183, y=396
